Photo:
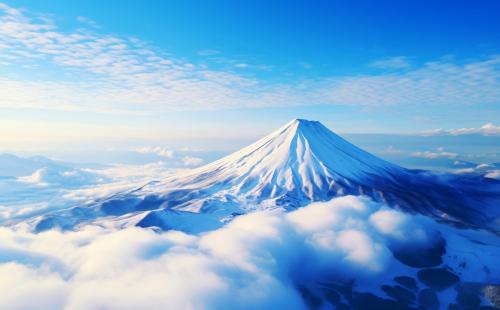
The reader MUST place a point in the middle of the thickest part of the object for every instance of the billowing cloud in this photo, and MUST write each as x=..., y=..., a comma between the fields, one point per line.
x=493, y=174
x=259, y=260
x=63, y=177
x=54, y=186
x=128, y=76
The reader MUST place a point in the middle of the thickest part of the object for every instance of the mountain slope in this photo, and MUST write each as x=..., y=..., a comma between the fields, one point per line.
x=303, y=160
x=299, y=163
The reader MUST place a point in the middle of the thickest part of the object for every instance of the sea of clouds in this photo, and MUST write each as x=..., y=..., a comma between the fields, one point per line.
x=54, y=186
x=257, y=261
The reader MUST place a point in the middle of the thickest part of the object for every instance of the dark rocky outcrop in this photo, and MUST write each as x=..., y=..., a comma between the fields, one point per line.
x=437, y=278
x=408, y=282
x=428, y=299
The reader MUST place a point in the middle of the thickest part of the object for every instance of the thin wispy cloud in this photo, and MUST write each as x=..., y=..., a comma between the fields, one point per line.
x=434, y=155
x=434, y=83
x=399, y=62
x=111, y=74
x=305, y=65
x=160, y=151
x=87, y=21
x=166, y=153
x=208, y=52
x=241, y=65
x=488, y=129
x=192, y=161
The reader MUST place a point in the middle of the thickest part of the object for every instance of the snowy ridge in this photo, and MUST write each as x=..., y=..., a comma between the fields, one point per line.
x=303, y=159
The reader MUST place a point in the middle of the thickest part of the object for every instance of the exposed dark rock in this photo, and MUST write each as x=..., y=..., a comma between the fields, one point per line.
x=344, y=289
x=368, y=301
x=118, y=206
x=467, y=298
x=332, y=296
x=428, y=299
x=454, y=307
x=399, y=293
x=407, y=282
x=438, y=278
x=153, y=219
x=312, y=301
x=52, y=222
x=424, y=256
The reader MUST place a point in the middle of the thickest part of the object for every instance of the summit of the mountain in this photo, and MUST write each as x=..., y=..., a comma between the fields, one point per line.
x=303, y=161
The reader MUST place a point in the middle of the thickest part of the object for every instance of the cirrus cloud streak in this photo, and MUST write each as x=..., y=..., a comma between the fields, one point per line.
x=113, y=74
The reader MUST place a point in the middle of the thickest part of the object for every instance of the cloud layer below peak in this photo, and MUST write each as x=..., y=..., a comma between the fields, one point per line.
x=259, y=260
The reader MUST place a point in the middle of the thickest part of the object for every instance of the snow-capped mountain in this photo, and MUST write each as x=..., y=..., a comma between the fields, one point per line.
x=299, y=163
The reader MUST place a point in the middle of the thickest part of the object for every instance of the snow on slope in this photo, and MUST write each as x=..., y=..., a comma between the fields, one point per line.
x=299, y=163
x=303, y=160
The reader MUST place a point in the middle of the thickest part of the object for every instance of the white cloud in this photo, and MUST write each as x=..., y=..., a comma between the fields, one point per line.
x=160, y=151
x=392, y=150
x=396, y=225
x=191, y=161
x=250, y=261
x=434, y=83
x=256, y=261
x=489, y=171
x=63, y=177
x=433, y=155
x=399, y=62
x=208, y=52
x=46, y=290
x=54, y=187
x=128, y=77
x=440, y=153
x=87, y=21
x=488, y=129
x=241, y=65
x=493, y=174
x=186, y=160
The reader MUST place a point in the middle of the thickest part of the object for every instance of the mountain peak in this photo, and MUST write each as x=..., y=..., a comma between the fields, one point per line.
x=303, y=121
x=300, y=123
x=298, y=126
x=302, y=159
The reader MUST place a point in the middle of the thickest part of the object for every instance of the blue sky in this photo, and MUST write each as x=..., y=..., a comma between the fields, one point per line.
x=124, y=72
